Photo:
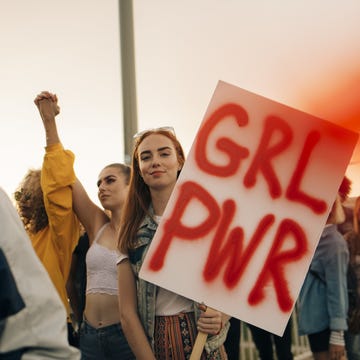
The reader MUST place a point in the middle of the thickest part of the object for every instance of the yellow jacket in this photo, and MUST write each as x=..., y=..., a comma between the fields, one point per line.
x=54, y=244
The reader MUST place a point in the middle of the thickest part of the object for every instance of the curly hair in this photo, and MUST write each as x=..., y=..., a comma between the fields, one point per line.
x=30, y=202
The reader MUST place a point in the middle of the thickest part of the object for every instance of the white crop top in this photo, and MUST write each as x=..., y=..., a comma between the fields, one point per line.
x=101, y=268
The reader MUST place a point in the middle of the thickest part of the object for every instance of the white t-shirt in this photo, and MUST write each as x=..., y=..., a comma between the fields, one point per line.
x=167, y=302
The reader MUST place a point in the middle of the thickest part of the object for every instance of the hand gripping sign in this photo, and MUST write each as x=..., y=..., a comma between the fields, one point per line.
x=248, y=209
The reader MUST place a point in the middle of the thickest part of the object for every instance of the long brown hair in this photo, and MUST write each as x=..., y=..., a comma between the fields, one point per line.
x=139, y=198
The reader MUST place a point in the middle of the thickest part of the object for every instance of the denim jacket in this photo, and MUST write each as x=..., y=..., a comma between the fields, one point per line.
x=146, y=292
x=323, y=300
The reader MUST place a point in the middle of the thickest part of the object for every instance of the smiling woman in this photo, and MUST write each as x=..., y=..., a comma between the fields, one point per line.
x=150, y=313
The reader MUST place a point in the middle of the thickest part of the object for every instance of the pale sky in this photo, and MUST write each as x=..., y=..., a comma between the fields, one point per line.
x=70, y=48
x=305, y=54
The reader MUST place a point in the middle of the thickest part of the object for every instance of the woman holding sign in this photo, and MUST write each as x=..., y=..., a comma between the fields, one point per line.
x=158, y=324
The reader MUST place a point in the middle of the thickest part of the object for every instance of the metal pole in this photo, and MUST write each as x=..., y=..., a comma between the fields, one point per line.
x=128, y=75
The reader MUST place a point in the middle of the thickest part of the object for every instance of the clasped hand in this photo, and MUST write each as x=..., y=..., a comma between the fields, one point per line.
x=47, y=104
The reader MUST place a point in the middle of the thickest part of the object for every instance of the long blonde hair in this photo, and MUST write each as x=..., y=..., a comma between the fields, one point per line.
x=139, y=198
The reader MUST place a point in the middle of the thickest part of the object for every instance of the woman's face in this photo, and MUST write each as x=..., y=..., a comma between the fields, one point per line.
x=112, y=188
x=158, y=162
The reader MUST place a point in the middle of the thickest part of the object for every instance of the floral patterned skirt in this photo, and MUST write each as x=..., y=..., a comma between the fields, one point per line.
x=175, y=336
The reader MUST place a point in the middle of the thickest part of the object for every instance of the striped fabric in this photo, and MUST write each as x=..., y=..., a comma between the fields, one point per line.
x=175, y=337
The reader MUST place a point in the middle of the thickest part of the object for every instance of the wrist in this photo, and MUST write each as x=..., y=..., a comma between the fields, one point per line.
x=337, y=338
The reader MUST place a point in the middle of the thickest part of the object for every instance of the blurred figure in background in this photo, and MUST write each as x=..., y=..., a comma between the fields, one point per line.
x=352, y=335
x=265, y=340
x=76, y=284
x=350, y=230
x=232, y=342
x=323, y=300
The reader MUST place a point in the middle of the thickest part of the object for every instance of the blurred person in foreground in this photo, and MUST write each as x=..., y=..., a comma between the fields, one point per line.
x=35, y=326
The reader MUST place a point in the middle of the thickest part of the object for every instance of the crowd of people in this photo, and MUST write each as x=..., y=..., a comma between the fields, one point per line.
x=73, y=291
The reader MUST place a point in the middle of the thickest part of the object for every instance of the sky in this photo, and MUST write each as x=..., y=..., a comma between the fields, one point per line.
x=304, y=54
x=70, y=48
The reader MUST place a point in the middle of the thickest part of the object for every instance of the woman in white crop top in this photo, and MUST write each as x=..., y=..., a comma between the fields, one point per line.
x=101, y=335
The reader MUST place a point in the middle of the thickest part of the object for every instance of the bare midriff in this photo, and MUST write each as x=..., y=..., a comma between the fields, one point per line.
x=101, y=310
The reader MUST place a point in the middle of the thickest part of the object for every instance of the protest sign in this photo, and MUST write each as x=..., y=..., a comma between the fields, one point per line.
x=248, y=209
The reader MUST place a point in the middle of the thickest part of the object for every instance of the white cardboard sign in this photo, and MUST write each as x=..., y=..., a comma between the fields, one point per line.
x=249, y=207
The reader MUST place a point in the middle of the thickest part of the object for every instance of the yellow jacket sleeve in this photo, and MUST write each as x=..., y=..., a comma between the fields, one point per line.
x=57, y=177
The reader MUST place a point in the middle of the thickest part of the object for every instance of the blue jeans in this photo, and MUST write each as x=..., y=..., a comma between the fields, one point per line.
x=105, y=343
